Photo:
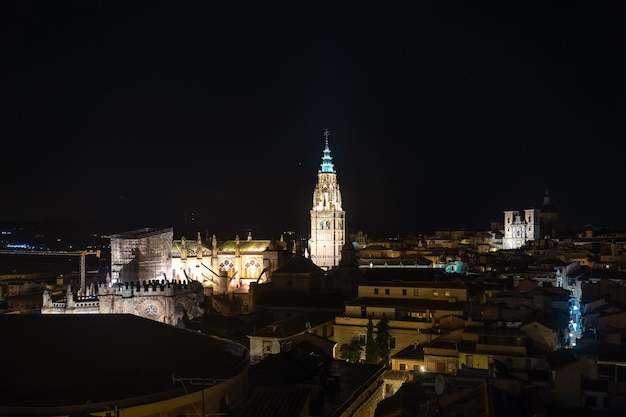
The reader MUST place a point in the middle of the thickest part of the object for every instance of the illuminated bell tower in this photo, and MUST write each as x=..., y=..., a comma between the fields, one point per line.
x=328, y=229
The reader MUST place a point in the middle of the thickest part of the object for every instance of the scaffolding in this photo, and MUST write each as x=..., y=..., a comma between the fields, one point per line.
x=141, y=255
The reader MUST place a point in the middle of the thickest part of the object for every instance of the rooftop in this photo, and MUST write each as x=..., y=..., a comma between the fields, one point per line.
x=63, y=360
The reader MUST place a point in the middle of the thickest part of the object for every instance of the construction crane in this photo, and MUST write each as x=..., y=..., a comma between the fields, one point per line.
x=83, y=269
x=82, y=254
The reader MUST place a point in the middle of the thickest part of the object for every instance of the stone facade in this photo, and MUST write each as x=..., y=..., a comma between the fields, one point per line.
x=520, y=228
x=166, y=302
x=328, y=227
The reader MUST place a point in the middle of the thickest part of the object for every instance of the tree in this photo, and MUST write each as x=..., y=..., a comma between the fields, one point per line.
x=372, y=354
x=382, y=339
x=351, y=351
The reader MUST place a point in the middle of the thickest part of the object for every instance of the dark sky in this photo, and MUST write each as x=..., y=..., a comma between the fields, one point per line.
x=442, y=114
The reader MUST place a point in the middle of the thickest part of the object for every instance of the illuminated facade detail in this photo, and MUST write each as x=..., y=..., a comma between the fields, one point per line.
x=327, y=217
x=228, y=267
x=156, y=277
x=141, y=255
x=162, y=301
x=152, y=310
x=518, y=230
x=140, y=282
x=252, y=269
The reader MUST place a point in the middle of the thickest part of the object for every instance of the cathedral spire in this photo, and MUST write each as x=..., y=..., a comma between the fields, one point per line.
x=327, y=217
x=327, y=164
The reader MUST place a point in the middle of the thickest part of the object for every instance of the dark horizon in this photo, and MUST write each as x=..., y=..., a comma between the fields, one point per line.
x=440, y=115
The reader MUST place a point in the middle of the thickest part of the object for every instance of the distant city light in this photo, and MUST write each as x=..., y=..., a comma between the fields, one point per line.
x=19, y=246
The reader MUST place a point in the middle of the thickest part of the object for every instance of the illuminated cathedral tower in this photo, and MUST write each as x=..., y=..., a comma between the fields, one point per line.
x=328, y=229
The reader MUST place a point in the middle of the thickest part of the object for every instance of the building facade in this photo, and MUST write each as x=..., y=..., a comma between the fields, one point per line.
x=140, y=283
x=412, y=308
x=328, y=228
x=520, y=227
x=230, y=266
x=156, y=277
x=162, y=301
x=141, y=255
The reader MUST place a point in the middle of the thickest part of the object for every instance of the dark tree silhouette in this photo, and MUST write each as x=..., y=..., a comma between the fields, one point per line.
x=372, y=354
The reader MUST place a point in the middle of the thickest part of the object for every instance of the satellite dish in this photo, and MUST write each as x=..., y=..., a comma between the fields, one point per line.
x=440, y=384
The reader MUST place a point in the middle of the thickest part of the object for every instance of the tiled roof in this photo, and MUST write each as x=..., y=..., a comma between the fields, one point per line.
x=307, y=365
x=299, y=265
x=300, y=300
x=415, y=352
x=406, y=274
x=554, y=320
x=560, y=358
x=229, y=246
x=413, y=284
x=295, y=325
x=277, y=401
x=412, y=304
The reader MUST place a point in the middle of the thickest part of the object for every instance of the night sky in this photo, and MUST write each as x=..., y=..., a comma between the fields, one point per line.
x=441, y=114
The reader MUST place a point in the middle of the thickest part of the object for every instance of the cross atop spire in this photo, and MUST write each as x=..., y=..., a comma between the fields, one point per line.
x=327, y=165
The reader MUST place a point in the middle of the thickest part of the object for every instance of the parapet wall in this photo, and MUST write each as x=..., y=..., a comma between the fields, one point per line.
x=148, y=288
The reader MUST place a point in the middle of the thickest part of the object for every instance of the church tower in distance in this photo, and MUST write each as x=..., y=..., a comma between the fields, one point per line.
x=328, y=227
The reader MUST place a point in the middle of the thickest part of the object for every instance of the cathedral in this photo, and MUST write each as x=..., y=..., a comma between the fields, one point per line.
x=230, y=266
x=328, y=227
x=157, y=277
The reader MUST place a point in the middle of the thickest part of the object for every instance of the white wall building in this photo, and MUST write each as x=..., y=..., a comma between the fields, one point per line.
x=520, y=227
